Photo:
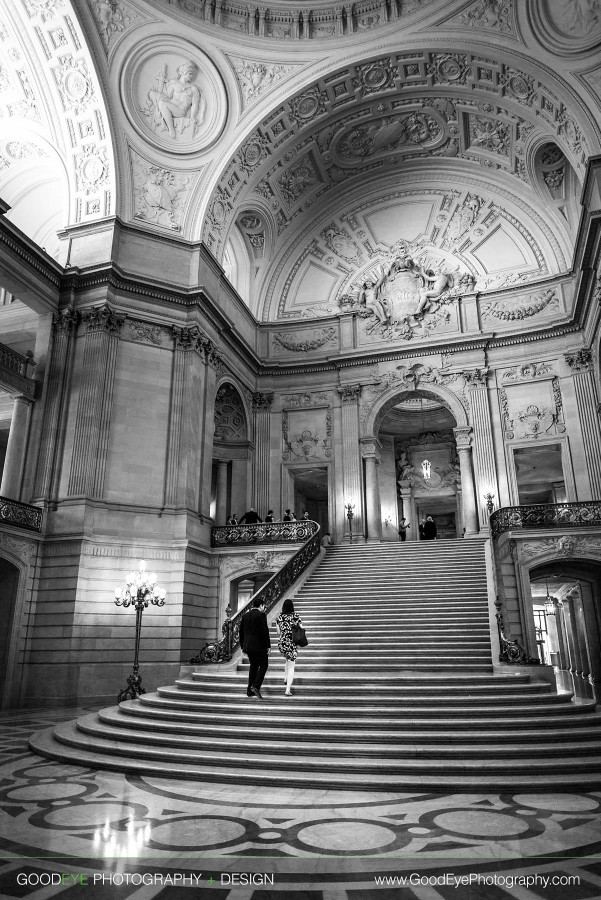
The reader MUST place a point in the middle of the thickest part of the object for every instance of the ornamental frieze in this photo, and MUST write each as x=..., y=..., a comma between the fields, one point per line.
x=566, y=546
x=507, y=311
x=289, y=341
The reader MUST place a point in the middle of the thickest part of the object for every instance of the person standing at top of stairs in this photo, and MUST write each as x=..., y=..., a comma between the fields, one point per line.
x=251, y=517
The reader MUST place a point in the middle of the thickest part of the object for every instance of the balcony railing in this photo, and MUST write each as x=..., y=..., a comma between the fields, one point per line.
x=272, y=591
x=266, y=533
x=16, y=371
x=20, y=514
x=546, y=515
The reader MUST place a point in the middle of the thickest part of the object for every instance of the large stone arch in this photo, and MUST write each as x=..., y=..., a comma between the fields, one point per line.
x=373, y=412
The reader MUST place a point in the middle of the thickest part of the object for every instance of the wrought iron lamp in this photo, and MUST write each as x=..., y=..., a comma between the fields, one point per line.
x=490, y=501
x=551, y=603
x=349, y=514
x=141, y=588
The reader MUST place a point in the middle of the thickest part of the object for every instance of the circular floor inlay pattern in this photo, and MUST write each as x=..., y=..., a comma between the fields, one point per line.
x=40, y=792
x=195, y=832
x=87, y=815
x=346, y=835
x=481, y=824
x=558, y=802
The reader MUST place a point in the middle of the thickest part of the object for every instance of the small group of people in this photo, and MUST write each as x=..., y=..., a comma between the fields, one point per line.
x=427, y=529
x=256, y=643
x=253, y=518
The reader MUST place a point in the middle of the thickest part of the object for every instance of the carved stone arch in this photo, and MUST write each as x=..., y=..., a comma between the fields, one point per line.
x=390, y=398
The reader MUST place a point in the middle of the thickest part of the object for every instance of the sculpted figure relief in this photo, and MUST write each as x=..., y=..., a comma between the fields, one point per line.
x=176, y=104
x=404, y=292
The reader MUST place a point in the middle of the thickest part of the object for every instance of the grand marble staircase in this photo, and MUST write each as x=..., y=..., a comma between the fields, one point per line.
x=395, y=692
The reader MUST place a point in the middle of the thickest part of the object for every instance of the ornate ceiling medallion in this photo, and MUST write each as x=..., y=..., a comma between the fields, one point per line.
x=174, y=96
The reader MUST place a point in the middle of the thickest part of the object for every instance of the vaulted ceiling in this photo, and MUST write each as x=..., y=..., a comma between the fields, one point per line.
x=329, y=139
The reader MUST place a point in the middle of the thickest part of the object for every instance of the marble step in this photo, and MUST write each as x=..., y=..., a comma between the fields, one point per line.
x=279, y=712
x=305, y=705
x=470, y=779
x=221, y=676
x=72, y=735
x=587, y=728
x=404, y=745
x=376, y=695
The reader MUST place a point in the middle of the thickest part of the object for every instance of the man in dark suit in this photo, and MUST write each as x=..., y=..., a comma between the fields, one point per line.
x=251, y=517
x=255, y=641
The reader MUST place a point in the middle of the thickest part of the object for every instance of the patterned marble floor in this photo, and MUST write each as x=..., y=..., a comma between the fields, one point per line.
x=70, y=832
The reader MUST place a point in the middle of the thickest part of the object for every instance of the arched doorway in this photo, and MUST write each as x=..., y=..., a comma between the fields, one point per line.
x=418, y=460
x=566, y=605
x=418, y=433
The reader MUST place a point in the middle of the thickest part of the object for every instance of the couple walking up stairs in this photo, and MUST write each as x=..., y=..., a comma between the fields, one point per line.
x=395, y=692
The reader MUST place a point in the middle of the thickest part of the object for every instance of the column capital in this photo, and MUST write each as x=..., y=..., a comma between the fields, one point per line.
x=349, y=393
x=262, y=400
x=103, y=318
x=189, y=338
x=370, y=448
x=64, y=321
x=476, y=378
x=463, y=436
x=580, y=361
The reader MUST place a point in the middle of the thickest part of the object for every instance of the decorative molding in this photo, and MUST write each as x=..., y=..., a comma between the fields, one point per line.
x=160, y=195
x=90, y=549
x=566, y=546
x=113, y=18
x=288, y=341
x=580, y=361
x=256, y=78
x=349, y=393
x=504, y=310
x=262, y=401
x=145, y=333
x=528, y=371
x=25, y=551
x=308, y=399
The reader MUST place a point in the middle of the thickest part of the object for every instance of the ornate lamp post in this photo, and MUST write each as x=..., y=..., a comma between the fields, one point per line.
x=140, y=590
x=349, y=514
x=490, y=501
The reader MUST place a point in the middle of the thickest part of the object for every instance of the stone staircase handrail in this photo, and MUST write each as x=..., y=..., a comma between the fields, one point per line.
x=23, y=515
x=546, y=515
x=271, y=592
x=16, y=371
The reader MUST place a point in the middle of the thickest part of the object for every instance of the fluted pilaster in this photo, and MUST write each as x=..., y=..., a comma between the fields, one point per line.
x=12, y=472
x=262, y=407
x=483, y=448
x=90, y=444
x=53, y=424
x=587, y=401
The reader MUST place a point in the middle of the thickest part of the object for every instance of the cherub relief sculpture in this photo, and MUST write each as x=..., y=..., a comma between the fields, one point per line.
x=406, y=291
x=176, y=104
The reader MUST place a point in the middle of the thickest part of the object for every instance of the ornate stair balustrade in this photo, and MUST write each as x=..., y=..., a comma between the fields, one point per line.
x=266, y=533
x=546, y=515
x=20, y=514
x=16, y=370
x=271, y=592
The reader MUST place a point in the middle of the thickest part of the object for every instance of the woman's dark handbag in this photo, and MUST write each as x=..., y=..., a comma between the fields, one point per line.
x=298, y=635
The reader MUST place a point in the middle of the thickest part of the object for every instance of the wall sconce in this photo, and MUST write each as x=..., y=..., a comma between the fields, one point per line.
x=388, y=521
x=349, y=507
x=490, y=501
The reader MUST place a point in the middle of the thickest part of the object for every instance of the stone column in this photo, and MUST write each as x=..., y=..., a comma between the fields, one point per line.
x=409, y=511
x=262, y=407
x=484, y=451
x=54, y=418
x=581, y=366
x=572, y=637
x=592, y=636
x=581, y=631
x=468, y=496
x=351, y=458
x=90, y=443
x=221, y=493
x=15, y=449
x=370, y=451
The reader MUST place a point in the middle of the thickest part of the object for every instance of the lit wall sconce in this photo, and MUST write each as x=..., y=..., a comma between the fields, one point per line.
x=490, y=501
x=387, y=521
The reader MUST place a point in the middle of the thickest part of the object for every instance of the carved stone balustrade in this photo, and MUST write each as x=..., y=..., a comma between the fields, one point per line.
x=266, y=533
x=546, y=515
x=16, y=371
x=20, y=514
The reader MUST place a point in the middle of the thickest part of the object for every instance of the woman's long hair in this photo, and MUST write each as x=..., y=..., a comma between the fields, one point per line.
x=288, y=608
